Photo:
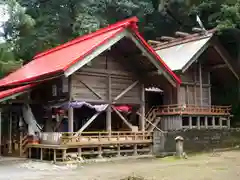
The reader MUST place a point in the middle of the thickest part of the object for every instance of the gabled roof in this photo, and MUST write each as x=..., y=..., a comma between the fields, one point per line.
x=60, y=60
x=177, y=57
x=67, y=58
x=180, y=53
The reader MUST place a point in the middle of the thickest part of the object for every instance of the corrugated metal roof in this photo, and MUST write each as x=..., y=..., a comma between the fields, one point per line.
x=176, y=57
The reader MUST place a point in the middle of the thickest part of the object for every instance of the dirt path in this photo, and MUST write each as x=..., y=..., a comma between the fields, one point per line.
x=220, y=166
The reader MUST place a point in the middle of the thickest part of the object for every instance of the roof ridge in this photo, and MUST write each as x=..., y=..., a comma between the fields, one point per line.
x=176, y=43
x=123, y=23
x=183, y=40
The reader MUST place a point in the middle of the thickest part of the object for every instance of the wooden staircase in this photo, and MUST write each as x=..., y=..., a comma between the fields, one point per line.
x=152, y=120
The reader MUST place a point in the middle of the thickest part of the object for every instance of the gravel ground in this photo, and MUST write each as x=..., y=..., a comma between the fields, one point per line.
x=220, y=166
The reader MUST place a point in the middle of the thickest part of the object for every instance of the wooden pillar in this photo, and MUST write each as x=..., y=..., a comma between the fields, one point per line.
x=70, y=119
x=200, y=81
x=54, y=156
x=228, y=123
x=190, y=122
x=142, y=109
x=213, y=121
x=198, y=122
x=209, y=90
x=70, y=110
x=109, y=109
x=10, y=133
x=220, y=122
x=195, y=86
x=187, y=95
x=206, y=122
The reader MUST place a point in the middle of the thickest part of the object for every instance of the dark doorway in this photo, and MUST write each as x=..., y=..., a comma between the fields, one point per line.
x=153, y=99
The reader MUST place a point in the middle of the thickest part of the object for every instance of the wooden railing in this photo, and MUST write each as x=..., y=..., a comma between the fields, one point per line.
x=106, y=138
x=193, y=109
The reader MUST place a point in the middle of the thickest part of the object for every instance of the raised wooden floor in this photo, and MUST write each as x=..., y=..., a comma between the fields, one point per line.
x=93, y=144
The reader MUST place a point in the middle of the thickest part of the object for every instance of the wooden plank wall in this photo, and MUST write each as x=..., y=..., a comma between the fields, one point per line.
x=170, y=95
x=170, y=123
x=189, y=92
x=95, y=75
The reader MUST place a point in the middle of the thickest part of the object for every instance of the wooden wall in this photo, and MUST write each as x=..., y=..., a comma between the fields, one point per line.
x=51, y=91
x=91, y=83
x=190, y=91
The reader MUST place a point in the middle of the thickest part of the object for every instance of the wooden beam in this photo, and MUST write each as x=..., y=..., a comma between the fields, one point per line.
x=219, y=66
x=167, y=38
x=154, y=42
x=87, y=123
x=154, y=73
x=96, y=101
x=197, y=30
x=181, y=34
x=126, y=90
x=150, y=122
x=225, y=56
x=101, y=72
x=91, y=89
x=121, y=116
x=197, y=84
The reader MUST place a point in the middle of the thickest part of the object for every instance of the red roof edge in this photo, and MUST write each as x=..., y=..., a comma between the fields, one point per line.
x=177, y=79
x=9, y=92
x=29, y=81
x=124, y=23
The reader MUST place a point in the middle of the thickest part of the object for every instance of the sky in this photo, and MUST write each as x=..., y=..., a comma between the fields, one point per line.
x=3, y=18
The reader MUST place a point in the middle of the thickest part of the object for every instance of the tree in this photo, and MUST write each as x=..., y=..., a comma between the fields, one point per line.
x=42, y=24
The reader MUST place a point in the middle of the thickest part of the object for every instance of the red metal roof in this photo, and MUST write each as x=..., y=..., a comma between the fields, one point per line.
x=58, y=59
x=9, y=92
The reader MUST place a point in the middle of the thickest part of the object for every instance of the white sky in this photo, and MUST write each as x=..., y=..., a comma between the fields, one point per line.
x=3, y=17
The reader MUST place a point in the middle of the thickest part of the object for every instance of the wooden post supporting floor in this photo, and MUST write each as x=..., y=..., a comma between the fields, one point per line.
x=198, y=122
x=228, y=123
x=220, y=122
x=213, y=122
x=206, y=122
x=190, y=122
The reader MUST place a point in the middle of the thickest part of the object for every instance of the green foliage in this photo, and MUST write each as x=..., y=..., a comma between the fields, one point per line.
x=8, y=63
x=44, y=24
